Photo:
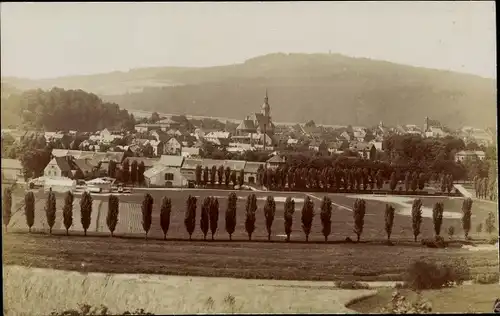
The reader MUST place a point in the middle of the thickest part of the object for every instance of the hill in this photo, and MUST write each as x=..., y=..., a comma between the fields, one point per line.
x=328, y=88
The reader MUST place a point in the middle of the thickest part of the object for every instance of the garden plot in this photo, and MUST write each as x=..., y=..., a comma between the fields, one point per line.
x=129, y=219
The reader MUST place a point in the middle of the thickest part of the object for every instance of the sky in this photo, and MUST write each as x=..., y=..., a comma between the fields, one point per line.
x=46, y=40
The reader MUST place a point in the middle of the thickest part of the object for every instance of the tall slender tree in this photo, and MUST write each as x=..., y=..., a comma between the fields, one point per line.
x=68, y=211
x=125, y=174
x=466, y=216
x=437, y=217
x=414, y=181
x=213, y=174
x=140, y=173
x=147, y=210
x=241, y=177
x=393, y=182
x=416, y=217
x=231, y=214
x=359, y=217
x=389, y=220
x=190, y=216
x=206, y=175
x=214, y=216
x=134, y=172
x=233, y=177
x=307, y=216
x=269, y=213
x=198, y=173
x=251, y=208
x=489, y=223
x=7, y=206
x=165, y=211
x=112, y=216
x=86, y=211
x=112, y=169
x=288, y=216
x=29, y=209
x=205, y=216
x=50, y=210
x=326, y=217
x=220, y=174
x=227, y=175
x=407, y=181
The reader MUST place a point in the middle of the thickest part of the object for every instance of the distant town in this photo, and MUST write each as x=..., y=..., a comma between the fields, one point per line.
x=167, y=150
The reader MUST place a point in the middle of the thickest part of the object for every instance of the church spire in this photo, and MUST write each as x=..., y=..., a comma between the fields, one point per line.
x=266, y=99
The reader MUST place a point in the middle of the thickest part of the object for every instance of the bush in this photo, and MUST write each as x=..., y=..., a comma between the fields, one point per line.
x=437, y=242
x=399, y=305
x=7, y=206
x=87, y=310
x=488, y=278
x=351, y=285
x=424, y=275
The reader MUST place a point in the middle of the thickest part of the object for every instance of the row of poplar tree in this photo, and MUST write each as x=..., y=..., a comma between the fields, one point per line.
x=210, y=214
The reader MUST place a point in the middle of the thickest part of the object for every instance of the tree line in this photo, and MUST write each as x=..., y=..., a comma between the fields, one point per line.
x=209, y=217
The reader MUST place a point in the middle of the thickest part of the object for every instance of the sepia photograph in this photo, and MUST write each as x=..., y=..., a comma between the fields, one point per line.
x=165, y=158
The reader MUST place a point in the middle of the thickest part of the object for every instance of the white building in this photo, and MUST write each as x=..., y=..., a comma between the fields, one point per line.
x=166, y=173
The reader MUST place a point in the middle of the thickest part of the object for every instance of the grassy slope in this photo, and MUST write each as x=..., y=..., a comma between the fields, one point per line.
x=464, y=299
x=327, y=88
x=165, y=295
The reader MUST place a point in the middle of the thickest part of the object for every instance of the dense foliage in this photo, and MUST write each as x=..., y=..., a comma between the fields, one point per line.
x=113, y=210
x=68, y=211
x=147, y=210
x=50, y=210
x=29, y=209
x=86, y=211
x=165, y=211
x=59, y=109
x=7, y=206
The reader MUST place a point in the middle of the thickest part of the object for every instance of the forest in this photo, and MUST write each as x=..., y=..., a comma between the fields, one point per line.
x=63, y=110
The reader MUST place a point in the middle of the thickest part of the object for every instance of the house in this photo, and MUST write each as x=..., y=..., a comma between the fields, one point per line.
x=188, y=168
x=166, y=173
x=234, y=165
x=214, y=137
x=251, y=170
x=359, y=134
x=172, y=147
x=12, y=170
x=87, y=167
x=345, y=135
x=60, y=167
x=362, y=148
x=469, y=154
x=275, y=162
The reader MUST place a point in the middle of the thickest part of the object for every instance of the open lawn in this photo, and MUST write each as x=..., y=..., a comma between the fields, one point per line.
x=474, y=298
x=130, y=218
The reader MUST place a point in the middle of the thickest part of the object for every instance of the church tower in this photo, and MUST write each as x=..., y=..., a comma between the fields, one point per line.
x=266, y=108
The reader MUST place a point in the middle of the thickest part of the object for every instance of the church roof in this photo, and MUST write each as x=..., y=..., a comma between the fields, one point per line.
x=246, y=125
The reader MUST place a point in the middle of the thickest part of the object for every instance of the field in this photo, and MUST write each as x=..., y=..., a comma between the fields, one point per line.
x=473, y=298
x=129, y=222
x=129, y=253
